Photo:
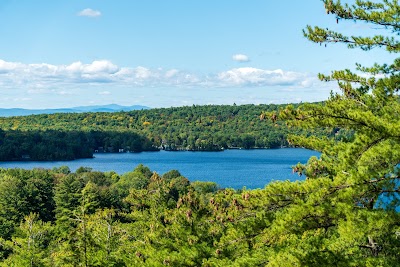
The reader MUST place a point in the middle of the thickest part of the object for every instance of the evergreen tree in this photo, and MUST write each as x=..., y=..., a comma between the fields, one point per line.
x=346, y=212
x=30, y=244
x=67, y=198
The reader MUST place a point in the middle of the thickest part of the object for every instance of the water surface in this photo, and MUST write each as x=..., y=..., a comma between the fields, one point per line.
x=230, y=168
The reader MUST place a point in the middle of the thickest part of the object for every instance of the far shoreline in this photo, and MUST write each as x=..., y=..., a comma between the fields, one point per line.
x=151, y=151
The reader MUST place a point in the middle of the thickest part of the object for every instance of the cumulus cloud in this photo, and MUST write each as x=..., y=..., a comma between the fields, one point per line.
x=240, y=58
x=42, y=77
x=171, y=73
x=259, y=77
x=7, y=66
x=98, y=71
x=88, y=12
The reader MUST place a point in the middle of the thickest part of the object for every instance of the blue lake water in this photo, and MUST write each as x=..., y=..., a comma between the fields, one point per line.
x=230, y=168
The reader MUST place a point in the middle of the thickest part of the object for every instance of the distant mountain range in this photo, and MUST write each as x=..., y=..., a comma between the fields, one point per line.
x=8, y=112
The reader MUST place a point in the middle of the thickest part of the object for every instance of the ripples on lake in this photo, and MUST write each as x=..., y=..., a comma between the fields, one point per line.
x=230, y=168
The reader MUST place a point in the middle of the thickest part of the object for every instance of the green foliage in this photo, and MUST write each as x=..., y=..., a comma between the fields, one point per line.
x=21, y=193
x=171, y=175
x=205, y=187
x=203, y=128
x=29, y=244
x=345, y=213
x=356, y=203
x=39, y=143
x=62, y=169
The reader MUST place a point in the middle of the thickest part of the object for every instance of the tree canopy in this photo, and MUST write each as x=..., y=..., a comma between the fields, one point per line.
x=352, y=202
x=345, y=213
x=197, y=128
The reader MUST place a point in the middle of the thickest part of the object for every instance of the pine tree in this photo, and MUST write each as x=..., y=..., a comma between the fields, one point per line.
x=29, y=245
x=346, y=212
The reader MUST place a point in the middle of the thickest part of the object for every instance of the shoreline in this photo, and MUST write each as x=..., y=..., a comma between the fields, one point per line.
x=138, y=152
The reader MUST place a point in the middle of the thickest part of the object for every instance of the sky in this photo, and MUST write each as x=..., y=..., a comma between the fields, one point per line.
x=160, y=53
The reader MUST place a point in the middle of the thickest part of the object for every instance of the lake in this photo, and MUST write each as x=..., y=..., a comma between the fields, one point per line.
x=230, y=168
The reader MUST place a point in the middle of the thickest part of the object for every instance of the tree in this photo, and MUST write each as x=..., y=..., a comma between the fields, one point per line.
x=29, y=246
x=346, y=212
x=67, y=197
x=23, y=192
x=106, y=238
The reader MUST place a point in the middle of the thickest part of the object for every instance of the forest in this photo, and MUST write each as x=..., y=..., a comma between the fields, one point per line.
x=66, y=145
x=88, y=218
x=67, y=136
x=344, y=213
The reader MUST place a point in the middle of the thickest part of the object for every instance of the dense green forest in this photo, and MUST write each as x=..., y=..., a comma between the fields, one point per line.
x=93, y=219
x=66, y=145
x=345, y=213
x=88, y=218
x=66, y=136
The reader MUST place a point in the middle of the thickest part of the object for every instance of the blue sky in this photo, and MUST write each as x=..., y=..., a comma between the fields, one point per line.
x=166, y=53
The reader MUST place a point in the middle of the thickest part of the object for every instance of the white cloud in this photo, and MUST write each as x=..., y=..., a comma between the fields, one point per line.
x=43, y=77
x=259, y=77
x=100, y=66
x=142, y=73
x=6, y=67
x=43, y=73
x=88, y=12
x=171, y=73
x=240, y=58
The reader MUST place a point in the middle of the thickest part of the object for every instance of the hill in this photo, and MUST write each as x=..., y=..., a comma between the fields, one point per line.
x=4, y=112
x=62, y=136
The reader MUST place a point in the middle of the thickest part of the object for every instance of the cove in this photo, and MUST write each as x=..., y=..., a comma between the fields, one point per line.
x=230, y=168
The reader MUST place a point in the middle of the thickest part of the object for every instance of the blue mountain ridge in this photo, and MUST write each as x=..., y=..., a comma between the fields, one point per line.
x=8, y=112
